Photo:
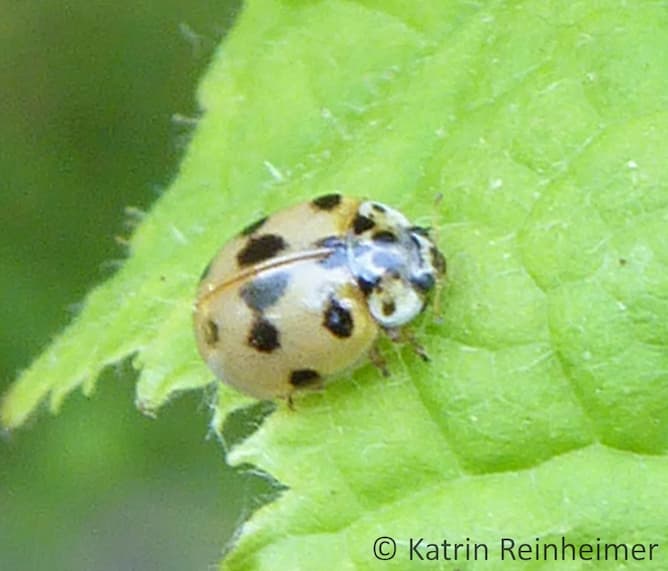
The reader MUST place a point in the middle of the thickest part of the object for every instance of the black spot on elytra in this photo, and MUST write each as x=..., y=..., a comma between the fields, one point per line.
x=338, y=319
x=254, y=227
x=263, y=336
x=261, y=293
x=205, y=271
x=385, y=236
x=210, y=331
x=367, y=286
x=362, y=224
x=389, y=307
x=260, y=249
x=327, y=201
x=378, y=207
x=304, y=377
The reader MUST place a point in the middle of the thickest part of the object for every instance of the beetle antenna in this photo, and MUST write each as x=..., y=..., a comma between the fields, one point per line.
x=435, y=235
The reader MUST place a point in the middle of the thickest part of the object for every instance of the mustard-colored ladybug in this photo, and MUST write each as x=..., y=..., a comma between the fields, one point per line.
x=302, y=295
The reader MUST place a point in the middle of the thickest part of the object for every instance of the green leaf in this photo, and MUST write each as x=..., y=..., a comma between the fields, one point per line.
x=543, y=126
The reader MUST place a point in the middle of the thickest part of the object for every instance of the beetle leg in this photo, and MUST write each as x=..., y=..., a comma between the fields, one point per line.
x=376, y=357
x=404, y=336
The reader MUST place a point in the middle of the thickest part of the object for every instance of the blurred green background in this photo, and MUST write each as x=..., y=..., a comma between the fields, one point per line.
x=88, y=91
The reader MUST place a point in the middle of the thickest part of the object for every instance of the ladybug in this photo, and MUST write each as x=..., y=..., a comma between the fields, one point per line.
x=302, y=295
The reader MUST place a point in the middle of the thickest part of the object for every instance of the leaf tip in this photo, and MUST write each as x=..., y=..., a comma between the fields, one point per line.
x=12, y=412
